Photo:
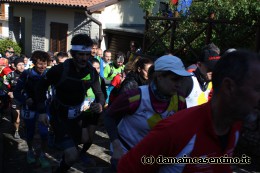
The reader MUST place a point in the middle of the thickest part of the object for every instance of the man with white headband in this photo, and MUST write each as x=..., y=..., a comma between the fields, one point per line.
x=71, y=80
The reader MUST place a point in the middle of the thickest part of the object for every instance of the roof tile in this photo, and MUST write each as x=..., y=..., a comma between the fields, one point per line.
x=69, y=3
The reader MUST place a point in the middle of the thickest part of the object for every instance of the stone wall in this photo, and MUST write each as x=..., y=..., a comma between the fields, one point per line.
x=95, y=28
x=38, y=29
x=81, y=25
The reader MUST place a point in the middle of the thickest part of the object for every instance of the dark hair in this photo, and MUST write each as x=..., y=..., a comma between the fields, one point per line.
x=18, y=60
x=41, y=55
x=95, y=43
x=80, y=39
x=92, y=60
x=23, y=56
x=234, y=65
x=63, y=54
x=51, y=54
x=141, y=63
x=150, y=73
x=107, y=51
x=128, y=67
x=13, y=58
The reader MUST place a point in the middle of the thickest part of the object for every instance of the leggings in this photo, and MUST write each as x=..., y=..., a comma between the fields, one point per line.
x=30, y=129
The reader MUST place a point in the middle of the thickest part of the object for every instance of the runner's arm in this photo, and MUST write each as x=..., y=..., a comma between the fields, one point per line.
x=96, y=87
x=41, y=89
x=119, y=108
x=18, y=95
x=158, y=142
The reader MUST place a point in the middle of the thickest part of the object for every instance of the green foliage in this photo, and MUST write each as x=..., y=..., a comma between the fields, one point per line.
x=147, y=5
x=241, y=33
x=4, y=43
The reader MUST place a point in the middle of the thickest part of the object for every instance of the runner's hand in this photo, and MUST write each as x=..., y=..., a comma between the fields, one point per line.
x=11, y=95
x=43, y=118
x=117, y=150
x=29, y=102
x=96, y=107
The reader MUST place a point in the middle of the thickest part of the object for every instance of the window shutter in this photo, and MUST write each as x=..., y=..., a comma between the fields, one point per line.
x=58, y=40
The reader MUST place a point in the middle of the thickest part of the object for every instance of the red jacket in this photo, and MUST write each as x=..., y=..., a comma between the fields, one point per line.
x=5, y=71
x=189, y=132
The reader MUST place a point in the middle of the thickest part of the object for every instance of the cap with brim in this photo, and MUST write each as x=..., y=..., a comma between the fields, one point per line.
x=171, y=63
x=210, y=58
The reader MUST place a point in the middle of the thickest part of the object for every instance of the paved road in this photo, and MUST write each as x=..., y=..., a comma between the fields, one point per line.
x=15, y=154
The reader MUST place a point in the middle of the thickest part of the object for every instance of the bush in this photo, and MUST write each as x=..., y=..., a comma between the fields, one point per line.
x=4, y=43
x=243, y=14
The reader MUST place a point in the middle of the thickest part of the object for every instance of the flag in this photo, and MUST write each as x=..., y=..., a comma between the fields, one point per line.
x=174, y=2
x=183, y=6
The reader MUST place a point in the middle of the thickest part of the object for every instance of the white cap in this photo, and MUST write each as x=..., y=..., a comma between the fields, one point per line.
x=171, y=63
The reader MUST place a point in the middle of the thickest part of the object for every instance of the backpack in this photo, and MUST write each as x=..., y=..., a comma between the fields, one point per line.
x=65, y=72
x=111, y=70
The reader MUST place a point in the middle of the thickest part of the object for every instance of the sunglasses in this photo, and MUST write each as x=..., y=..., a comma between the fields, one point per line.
x=84, y=53
x=10, y=52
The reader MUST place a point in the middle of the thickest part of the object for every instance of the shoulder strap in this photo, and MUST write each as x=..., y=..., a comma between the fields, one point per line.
x=64, y=73
x=111, y=70
x=28, y=74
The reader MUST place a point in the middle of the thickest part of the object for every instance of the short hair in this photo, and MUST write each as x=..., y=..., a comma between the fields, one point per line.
x=142, y=62
x=128, y=67
x=23, y=56
x=93, y=60
x=80, y=39
x=63, y=54
x=109, y=51
x=12, y=58
x=234, y=65
x=17, y=61
x=95, y=43
x=41, y=55
x=120, y=55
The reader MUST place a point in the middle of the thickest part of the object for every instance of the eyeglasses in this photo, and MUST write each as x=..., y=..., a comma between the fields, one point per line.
x=10, y=52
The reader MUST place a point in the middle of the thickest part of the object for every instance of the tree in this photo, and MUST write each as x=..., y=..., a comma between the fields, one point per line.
x=243, y=16
x=147, y=5
x=4, y=43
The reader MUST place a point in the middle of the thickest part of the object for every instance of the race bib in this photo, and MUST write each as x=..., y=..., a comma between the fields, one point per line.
x=2, y=93
x=74, y=112
x=27, y=114
x=86, y=104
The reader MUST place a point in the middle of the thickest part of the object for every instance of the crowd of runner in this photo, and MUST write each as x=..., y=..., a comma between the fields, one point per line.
x=150, y=108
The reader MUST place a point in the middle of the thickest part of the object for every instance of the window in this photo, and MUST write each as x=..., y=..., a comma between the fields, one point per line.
x=2, y=10
x=58, y=40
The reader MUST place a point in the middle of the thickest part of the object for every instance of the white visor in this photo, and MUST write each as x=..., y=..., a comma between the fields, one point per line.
x=81, y=48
